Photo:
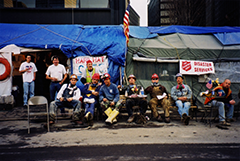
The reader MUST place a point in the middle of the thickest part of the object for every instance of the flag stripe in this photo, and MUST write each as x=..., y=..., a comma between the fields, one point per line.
x=126, y=24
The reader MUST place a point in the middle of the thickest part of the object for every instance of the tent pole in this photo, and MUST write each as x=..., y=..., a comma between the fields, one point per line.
x=120, y=71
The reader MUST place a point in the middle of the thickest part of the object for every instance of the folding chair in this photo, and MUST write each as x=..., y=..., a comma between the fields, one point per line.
x=38, y=101
x=208, y=112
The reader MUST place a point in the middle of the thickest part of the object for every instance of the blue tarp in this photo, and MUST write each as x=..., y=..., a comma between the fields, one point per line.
x=141, y=32
x=72, y=40
x=226, y=35
x=232, y=38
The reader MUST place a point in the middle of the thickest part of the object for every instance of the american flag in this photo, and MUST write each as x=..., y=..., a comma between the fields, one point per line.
x=209, y=84
x=126, y=24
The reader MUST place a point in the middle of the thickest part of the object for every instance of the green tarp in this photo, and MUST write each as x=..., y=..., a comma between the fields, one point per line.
x=160, y=54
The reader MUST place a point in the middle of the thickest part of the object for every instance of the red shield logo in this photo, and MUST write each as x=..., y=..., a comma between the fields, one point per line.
x=186, y=65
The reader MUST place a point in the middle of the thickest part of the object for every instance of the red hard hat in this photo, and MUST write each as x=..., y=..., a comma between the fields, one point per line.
x=155, y=76
x=96, y=76
x=88, y=61
x=106, y=76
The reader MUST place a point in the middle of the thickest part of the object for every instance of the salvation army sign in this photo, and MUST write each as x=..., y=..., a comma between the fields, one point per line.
x=196, y=67
x=99, y=63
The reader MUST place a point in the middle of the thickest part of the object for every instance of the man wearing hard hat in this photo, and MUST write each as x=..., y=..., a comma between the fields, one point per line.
x=159, y=96
x=133, y=92
x=109, y=99
x=68, y=96
x=90, y=94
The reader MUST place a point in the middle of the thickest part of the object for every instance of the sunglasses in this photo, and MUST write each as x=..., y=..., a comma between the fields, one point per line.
x=154, y=79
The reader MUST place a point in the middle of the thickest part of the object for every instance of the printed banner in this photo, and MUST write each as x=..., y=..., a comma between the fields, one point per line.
x=99, y=63
x=196, y=67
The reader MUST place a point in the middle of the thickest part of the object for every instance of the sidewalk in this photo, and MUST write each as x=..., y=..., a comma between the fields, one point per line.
x=64, y=134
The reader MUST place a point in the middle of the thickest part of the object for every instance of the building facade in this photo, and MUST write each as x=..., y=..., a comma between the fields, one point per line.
x=85, y=12
x=194, y=12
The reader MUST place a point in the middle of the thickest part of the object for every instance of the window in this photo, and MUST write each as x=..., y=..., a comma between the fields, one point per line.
x=94, y=3
x=26, y=3
x=55, y=3
x=71, y=3
x=6, y=3
x=18, y=3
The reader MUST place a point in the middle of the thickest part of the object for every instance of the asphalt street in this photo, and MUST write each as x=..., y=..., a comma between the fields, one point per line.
x=121, y=141
x=140, y=152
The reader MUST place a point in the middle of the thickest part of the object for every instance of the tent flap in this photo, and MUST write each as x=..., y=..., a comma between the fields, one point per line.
x=192, y=29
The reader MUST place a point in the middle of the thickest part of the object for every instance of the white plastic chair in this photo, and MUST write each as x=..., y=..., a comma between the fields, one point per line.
x=37, y=100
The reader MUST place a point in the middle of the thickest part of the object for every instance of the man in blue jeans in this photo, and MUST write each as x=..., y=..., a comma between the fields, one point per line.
x=90, y=98
x=57, y=74
x=28, y=70
x=68, y=96
x=226, y=101
x=182, y=94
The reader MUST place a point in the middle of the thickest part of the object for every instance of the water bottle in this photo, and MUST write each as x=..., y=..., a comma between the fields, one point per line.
x=142, y=91
x=126, y=93
x=213, y=92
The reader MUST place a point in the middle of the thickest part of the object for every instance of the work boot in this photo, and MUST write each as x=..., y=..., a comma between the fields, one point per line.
x=130, y=119
x=167, y=119
x=90, y=122
x=90, y=116
x=182, y=119
x=112, y=116
x=224, y=123
x=108, y=112
x=159, y=118
x=185, y=119
x=90, y=119
x=230, y=120
x=222, y=127
x=87, y=116
x=141, y=119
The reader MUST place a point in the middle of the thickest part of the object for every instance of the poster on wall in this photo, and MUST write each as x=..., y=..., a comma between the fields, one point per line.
x=190, y=67
x=99, y=63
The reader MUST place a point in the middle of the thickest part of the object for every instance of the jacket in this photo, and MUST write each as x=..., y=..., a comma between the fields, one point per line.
x=149, y=90
x=225, y=99
x=181, y=92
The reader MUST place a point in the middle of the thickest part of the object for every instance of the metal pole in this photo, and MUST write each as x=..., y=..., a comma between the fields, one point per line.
x=120, y=71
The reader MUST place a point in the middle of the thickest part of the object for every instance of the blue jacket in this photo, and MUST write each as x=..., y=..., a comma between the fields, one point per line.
x=86, y=91
x=111, y=93
x=186, y=91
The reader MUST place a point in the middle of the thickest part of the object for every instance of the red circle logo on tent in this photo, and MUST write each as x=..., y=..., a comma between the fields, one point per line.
x=186, y=65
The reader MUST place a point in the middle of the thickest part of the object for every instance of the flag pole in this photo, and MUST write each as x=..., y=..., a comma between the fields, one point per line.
x=126, y=33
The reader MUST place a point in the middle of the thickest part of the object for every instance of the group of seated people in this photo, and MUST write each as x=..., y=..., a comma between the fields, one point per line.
x=106, y=97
